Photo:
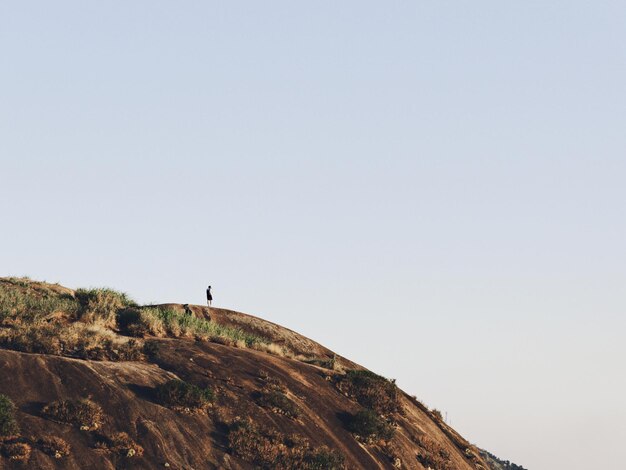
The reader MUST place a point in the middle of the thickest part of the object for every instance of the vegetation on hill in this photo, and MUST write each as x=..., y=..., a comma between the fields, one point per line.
x=96, y=324
x=186, y=397
x=498, y=464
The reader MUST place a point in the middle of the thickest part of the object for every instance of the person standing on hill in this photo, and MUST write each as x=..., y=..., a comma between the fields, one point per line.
x=209, y=297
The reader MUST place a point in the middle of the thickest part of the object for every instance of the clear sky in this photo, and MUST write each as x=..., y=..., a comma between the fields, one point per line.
x=436, y=190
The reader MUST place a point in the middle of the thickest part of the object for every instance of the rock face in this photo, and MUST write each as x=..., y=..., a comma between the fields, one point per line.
x=282, y=402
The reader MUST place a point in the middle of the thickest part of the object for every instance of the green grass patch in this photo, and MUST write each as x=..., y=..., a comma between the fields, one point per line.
x=159, y=321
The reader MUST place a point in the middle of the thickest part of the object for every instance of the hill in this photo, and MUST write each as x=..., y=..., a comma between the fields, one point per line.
x=90, y=379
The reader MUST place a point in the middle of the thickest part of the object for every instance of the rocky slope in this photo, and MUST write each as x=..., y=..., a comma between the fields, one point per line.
x=99, y=382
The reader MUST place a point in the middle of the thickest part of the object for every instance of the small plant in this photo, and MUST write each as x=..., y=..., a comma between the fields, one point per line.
x=324, y=459
x=371, y=391
x=83, y=413
x=119, y=443
x=278, y=402
x=8, y=424
x=436, y=414
x=16, y=450
x=249, y=443
x=54, y=446
x=182, y=395
x=367, y=425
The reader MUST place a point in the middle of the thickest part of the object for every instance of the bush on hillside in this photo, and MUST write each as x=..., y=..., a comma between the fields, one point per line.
x=101, y=305
x=268, y=449
x=16, y=450
x=180, y=394
x=75, y=340
x=119, y=443
x=83, y=413
x=367, y=425
x=431, y=454
x=8, y=424
x=54, y=446
x=371, y=391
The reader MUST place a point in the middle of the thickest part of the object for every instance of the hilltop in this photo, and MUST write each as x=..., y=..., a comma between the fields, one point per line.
x=90, y=379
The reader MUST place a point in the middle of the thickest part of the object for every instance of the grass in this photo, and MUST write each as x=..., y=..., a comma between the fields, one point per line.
x=119, y=443
x=8, y=424
x=431, y=454
x=159, y=321
x=54, y=446
x=101, y=305
x=83, y=413
x=178, y=394
x=16, y=450
x=268, y=449
x=20, y=304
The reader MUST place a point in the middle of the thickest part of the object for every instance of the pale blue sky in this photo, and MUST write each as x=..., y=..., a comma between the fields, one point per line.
x=433, y=189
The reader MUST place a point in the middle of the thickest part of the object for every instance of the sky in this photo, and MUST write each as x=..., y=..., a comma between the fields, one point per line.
x=435, y=190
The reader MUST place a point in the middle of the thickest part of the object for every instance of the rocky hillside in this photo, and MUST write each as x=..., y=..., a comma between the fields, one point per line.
x=92, y=380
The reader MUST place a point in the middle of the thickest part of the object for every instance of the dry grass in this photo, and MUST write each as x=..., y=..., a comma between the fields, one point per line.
x=16, y=450
x=269, y=449
x=119, y=443
x=83, y=413
x=278, y=402
x=100, y=306
x=78, y=340
x=433, y=455
x=161, y=322
x=54, y=446
x=49, y=319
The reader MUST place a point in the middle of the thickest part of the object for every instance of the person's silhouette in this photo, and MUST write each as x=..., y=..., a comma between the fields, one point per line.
x=209, y=297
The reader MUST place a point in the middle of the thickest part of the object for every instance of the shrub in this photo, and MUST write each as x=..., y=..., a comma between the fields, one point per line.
x=271, y=382
x=82, y=413
x=180, y=394
x=16, y=450
x=269, y=449
x=54, y=446
x=436, y=414
x=8, y=424
x=278, y=402
x=119, y=443
x=324, y=459
x=431, y=454
x=101, y=305
x=367, y=425
x=371, y=391
x=249, y=443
